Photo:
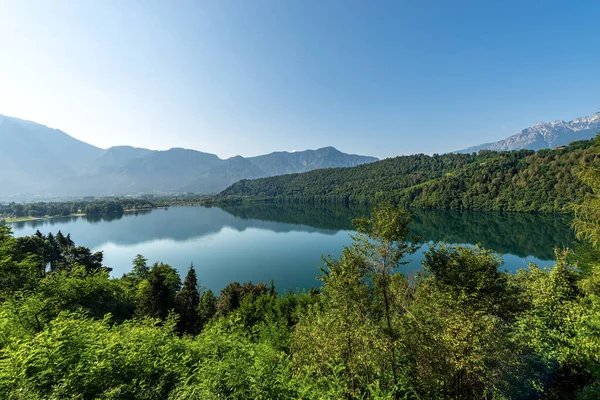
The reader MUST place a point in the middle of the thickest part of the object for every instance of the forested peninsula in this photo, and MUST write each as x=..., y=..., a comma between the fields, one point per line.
x=523, y=180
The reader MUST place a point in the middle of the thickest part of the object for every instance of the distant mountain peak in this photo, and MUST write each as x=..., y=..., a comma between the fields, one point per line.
x=41, y=161
x=545, y=135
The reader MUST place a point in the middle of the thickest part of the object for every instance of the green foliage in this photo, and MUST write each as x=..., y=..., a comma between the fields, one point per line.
x=463, y=329
x=471, y=276
x=336, y=344
x=559, y=324
x=157, y=293
x=353, y=336
x=187, y=302
x=140, y=267
x=234, y=367
x=207, y=308
x=97, y=208
x=587, y=214
x=457, y=330
x=524, y=180
x=142, y=359
x=30, y=311
x=79, y=357
x=231, y=296
x=19, y=268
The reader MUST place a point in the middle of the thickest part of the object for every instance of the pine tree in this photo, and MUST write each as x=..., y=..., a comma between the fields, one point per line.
x=54, y=252
x=207, y=307
x=229, y=298
x=157, y=297
x=187, y=302
x=140, y=267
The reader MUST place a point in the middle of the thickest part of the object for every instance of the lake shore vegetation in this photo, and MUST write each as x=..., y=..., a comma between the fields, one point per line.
x=463, y=329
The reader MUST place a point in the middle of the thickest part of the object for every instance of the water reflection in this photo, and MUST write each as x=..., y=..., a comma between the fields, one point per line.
x=176, y=224
x=519, y=234
x=507, y=233
x=285, y=243
x=330, y=217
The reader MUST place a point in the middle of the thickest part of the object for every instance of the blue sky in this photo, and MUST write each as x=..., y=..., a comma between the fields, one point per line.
x=250, y=77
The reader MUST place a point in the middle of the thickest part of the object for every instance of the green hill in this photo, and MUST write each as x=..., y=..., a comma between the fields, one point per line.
x=523, y=180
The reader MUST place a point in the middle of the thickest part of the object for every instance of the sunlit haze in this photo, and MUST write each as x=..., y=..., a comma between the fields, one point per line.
x=251, y=77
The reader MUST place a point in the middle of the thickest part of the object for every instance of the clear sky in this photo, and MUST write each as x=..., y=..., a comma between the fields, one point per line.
x=253, y=76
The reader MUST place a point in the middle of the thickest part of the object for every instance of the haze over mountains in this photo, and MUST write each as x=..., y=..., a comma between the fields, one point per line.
x=544, y=135
x=39, y=161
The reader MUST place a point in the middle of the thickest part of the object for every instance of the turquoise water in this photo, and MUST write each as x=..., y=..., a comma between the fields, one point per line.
x=285, y=243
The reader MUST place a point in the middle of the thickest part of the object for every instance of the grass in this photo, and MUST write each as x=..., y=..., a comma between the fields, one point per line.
x=19, y=219
x=10, y=220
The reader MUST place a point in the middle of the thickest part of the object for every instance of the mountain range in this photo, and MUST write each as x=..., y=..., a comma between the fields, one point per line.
x=37, y=161
x=544, y=135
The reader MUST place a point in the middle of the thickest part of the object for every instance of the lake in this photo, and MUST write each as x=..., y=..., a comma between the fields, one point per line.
x=285, y=243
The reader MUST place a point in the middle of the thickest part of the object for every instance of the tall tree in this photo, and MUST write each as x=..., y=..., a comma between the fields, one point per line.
x=207, y=307
x=140, y=267
x=338, y=339
x=157, y=293
x=384, y=241
x=456, y=332
x=63, y=241
x=18, y=269
x=80, y=255
x=187, y=302
x=229, y=298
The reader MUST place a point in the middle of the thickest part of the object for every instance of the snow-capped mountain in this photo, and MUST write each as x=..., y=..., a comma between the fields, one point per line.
x=545, y=135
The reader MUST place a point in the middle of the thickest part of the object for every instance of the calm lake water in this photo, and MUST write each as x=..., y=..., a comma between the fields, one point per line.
x=285, y=243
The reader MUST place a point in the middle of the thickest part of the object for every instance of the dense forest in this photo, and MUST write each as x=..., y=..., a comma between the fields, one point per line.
x=524, y=180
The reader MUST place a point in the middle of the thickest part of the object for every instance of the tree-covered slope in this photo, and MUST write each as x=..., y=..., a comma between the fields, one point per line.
x=524, y=180
x=358, y=184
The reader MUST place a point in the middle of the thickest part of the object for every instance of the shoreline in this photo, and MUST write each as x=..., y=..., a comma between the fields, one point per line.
x=27, y=219
x=46, y=217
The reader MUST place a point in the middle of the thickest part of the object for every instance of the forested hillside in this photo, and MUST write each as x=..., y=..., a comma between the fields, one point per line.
x=542, y=181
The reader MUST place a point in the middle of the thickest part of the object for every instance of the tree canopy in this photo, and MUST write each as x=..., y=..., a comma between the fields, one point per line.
x=524, y=180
